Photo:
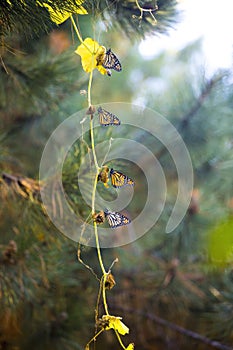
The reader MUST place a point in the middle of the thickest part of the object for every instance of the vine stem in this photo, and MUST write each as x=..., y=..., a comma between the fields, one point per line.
x=93, y=147
x=78, y=33
x=93, y=339
x=93, y=195
x=119, y=339
x=98, y=249
x=89, y=86
x=76, y=29
x=103, y=280
x=104, y=294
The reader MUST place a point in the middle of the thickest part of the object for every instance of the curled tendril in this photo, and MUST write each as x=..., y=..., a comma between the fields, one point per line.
x=143, y=10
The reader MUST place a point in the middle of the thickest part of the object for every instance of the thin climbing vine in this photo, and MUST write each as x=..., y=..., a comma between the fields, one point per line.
x=95, y=56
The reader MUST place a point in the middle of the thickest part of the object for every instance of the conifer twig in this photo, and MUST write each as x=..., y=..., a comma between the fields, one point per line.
x=199, y=101
x=186, y=119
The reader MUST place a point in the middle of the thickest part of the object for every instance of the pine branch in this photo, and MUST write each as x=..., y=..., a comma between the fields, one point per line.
x=23, y=186
x=125, y=16
x=28, y=17
x=186, y=119
x=31, y=82
x=206, y=91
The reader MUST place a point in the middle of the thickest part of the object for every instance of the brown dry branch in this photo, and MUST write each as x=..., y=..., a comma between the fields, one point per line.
x=23, y=186
x=215, y=344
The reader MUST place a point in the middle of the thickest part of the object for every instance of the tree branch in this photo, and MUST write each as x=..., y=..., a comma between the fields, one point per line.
x=215, y=344
x=186, y=119
x=199, y=102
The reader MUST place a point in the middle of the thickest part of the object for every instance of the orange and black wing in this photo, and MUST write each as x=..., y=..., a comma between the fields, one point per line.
x=111, y=61
x=116, y=219
x=107, y=118
x=119, y=179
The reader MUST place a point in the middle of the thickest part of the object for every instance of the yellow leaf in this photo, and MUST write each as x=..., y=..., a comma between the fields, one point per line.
x=114, y=322
x=91, y=52
x=130, y=346
x=59, y=17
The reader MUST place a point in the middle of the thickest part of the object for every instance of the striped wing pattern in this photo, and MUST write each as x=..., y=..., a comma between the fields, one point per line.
x=116, y=219
x=107, y=118
x=111, y=61
x=119, y=179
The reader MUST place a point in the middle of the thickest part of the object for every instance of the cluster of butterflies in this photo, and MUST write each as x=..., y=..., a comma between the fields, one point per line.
x=109, y=61
x=118, y=179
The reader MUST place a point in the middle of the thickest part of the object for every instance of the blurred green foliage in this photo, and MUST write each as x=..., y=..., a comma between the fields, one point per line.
x=221, y=243
x=47, y=298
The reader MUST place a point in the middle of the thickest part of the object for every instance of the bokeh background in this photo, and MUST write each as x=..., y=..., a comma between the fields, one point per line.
x=174, y=291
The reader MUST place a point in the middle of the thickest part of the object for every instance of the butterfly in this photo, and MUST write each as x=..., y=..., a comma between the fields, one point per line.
x=110, y=61
x=119, y=179
x=106, y=118
x=116, y=219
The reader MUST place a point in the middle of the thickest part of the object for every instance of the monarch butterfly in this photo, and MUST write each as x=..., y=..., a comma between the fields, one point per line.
x=110, y=61
x=106, y=118
x=119, y=179
x=99, y=218
x=116, y=219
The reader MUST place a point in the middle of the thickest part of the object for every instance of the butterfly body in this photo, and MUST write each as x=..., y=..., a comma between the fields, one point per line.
x=103, y=176
x=119, y=179
x=116, y=219
x=107, y=118
x=110, y=61
x=99, y=218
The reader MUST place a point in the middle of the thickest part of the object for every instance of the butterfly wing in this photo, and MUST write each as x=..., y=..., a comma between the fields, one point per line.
x=119, y=179
x=111, y=61
x=130, y=181
x=115, y=120
x=116, y=219
x=106, y=118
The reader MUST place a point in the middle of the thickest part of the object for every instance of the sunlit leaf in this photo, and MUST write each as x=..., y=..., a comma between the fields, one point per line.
x=59, y=17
